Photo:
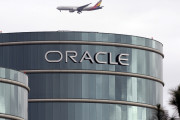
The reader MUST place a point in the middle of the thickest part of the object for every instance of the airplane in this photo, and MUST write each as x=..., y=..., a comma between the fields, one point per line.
x=81, y=8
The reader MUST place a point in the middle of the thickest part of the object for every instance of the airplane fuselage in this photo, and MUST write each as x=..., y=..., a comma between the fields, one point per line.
x=76, y=8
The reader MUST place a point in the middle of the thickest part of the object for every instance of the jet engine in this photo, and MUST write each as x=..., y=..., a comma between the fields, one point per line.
x=72, y=10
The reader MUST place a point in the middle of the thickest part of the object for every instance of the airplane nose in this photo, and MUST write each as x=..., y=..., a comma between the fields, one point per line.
x=57, y=8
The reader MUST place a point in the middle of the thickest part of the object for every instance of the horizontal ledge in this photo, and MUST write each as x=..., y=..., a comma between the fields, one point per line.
x=83, y=43
x=10, y=117
x=95, y=72
x=14, y=83
x=94, y=101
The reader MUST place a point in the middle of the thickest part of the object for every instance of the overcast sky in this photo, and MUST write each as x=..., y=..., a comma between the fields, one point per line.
x=159, y=19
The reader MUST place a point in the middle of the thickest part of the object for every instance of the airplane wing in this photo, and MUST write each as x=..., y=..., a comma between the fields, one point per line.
x=79, y=9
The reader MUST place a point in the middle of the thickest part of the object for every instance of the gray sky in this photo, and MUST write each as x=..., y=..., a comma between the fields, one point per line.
x=159, y=19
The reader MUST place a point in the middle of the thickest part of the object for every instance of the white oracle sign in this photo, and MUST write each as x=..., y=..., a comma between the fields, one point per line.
x=120, y=59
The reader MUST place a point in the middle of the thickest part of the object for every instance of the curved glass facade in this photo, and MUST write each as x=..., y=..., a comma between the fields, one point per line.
x=88, y=111
x=13, y=97
x=93, y=86
x=141, y=61
x=120, y=68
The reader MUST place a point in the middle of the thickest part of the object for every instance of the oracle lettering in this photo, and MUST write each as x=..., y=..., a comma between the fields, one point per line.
x=120, y=59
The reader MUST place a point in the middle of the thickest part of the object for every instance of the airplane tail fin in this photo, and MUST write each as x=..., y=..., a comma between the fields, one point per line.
x=97, y=5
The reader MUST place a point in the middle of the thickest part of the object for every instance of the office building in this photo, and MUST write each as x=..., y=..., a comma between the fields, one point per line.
x=13, y=95
x=87, y=75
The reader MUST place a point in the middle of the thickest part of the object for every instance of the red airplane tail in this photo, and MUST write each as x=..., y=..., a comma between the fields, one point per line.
x=97, y=5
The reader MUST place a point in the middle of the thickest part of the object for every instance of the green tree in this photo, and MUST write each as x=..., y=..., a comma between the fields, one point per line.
x=172, y=118
x=175, y=99
x=160, y=114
